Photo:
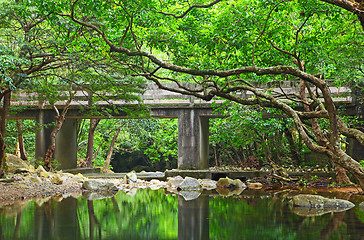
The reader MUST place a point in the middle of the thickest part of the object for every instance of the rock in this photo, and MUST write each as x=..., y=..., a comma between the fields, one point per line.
x=207, y=184
x=13, y=209
x=57, y=198
x=44, y=174
x=76, y=195
x=57, y=179
x=98, y=195
x=99, y=185
x=189, y=195
x=15, y=164
x=239, y=184
x=6, y=180
x=41, y=201
x=310, y=212
x=31, y=169
x=224, y=183
x=79, y=178
x=190, y=184
x=316, y=201
x=230, y=183
x=254, y=185
x=40, y=169
x=132, y=192
x=131, y=177
x=37, y=180
x=174, y=182
x=229, y=191
x=155, y=181
x=156, y=184
x=155, y=187
x=361, y=205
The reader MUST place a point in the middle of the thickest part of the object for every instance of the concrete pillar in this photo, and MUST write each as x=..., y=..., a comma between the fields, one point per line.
x=193, y=134
x=204, y=142
x=66, y=145
x=44, y=121
x=355, y=149
x=193, y=218
x=66, y=141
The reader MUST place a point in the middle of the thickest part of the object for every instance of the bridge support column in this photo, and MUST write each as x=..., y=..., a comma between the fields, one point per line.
x=66, y=141
x=355, y=149
x=66, y=144
x=193, y=140
x=43, y=131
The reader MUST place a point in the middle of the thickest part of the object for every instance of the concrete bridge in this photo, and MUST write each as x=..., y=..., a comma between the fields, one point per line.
x=193, y=118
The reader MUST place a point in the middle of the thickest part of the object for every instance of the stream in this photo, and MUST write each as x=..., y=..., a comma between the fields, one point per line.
x=148, y=214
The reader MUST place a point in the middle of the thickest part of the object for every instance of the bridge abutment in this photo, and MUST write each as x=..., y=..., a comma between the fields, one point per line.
x=193, y=140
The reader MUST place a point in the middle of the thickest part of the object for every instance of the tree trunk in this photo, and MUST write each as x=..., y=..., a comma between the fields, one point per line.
x=216, y=158
x=296, y=157
x=99, y=147
x=60, y=119
x=90, y=142
x=111, y=148
x=341, y=177
x=21, y=140
x=49, y=154
x=342, y=159
x=3, y=113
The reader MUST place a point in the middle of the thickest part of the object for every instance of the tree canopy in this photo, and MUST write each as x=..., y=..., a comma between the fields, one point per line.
x=227, y=46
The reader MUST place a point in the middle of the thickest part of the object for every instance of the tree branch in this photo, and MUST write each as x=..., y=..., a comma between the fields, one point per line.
x=190, y=8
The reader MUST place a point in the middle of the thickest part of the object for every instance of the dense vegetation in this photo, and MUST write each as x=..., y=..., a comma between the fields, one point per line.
x=224, y=47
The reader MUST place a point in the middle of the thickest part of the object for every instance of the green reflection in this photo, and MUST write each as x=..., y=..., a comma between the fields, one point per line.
x=155, y=215
x=147, y=214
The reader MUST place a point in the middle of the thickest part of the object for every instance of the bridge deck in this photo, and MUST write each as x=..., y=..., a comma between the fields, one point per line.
x=155, y=96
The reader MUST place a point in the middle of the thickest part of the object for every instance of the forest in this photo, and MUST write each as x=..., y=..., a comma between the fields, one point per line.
x=223, y=47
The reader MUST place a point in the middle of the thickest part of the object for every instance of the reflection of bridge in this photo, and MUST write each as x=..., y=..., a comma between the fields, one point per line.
x=193, y=119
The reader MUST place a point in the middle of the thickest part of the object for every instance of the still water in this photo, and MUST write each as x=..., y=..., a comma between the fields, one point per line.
x=149, y=214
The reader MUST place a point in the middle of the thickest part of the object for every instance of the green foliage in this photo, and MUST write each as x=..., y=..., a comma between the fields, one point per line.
x=157, y=139
x=362, y=163
x=248, y=132
x=163, y=145
x=228, y=35
x=11, y=139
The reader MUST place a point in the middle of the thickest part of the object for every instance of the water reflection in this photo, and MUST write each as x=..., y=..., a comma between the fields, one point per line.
x=155, y=215
x=193, y=218
x=58, y=222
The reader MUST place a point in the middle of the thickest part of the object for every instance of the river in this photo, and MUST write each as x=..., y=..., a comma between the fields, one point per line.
x=147, y=214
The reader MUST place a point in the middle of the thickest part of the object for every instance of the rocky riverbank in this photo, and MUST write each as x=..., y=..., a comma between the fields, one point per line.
x=26, y=182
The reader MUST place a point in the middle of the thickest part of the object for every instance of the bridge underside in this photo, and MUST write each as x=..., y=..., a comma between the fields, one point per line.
x=193, y=132
x=193, y=135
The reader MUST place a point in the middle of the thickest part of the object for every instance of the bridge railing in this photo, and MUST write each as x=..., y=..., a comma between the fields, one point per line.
x=154, y=95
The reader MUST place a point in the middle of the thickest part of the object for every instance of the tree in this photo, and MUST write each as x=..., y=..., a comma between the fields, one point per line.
x=27, y=48
x=90, y=141
x=249, y=139
x=35, y=47
x=222, y=46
